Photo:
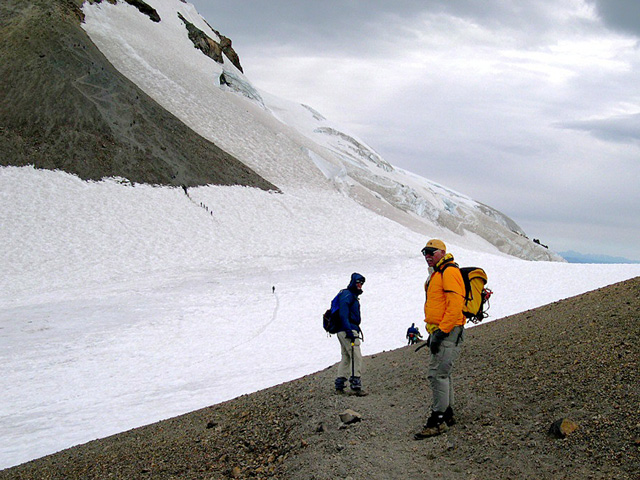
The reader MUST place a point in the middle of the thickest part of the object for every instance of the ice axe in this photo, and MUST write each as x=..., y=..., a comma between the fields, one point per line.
x=353, y=368
x=424, y=344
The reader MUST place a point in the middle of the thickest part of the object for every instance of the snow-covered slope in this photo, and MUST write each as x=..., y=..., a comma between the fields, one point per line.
x=288, y=144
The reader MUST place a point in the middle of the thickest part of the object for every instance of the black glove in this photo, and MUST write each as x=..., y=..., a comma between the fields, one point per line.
x=436, y=339
x=350, y=335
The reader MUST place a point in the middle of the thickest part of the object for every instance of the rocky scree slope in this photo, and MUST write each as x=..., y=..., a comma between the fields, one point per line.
x=64, y=106
x=576, y=358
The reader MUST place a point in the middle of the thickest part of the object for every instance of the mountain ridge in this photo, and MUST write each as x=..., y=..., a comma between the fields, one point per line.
x=66, y=107
x=74, y=104
x=513, y=380
x=576, y=257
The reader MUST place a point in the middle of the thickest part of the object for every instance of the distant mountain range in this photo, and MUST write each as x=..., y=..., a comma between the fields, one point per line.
x=577, y=257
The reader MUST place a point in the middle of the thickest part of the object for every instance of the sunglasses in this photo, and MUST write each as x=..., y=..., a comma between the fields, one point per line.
x=428, y=251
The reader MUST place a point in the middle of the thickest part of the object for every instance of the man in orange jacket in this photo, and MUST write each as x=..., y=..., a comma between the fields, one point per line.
x=445, y=321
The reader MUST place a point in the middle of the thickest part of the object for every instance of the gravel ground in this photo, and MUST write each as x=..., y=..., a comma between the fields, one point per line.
x=575, y=359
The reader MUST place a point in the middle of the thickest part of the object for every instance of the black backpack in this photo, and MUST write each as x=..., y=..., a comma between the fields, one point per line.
x=331, y=318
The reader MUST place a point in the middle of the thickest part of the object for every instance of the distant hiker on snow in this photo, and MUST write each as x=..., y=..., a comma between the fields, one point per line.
x=348, y=333
x=413, y=334
x=445, y=294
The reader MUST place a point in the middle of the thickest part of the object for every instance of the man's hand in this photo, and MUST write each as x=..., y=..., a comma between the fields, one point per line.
x=436, y=339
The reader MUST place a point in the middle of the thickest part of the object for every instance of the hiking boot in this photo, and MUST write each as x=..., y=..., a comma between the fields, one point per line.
x=341, y=383
x=356, y=387
x=448, y=417
x=435, y=426
x=359, y=392
x=356, y=384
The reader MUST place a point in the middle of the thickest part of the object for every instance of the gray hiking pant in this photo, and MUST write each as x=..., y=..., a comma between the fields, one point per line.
x=344, y=369
x=440, y=368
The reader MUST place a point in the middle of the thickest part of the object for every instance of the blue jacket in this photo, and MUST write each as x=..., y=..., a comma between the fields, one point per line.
x=349, y=305
x=413, y=329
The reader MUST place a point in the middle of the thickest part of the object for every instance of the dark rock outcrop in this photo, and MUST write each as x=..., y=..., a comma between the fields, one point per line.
x=210, y=47
x=64, y=106
x=202, y=41
x=227, y=49
x=142, y=7
x=145, y=8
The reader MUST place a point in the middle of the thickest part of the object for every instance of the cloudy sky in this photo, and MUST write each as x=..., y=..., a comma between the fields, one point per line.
x=530, y=107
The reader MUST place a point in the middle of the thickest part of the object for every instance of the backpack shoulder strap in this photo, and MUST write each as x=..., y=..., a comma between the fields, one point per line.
x=465, y=278
x=447, y=265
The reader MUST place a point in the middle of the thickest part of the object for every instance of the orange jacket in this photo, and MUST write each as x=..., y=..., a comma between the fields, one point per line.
x=445, y=297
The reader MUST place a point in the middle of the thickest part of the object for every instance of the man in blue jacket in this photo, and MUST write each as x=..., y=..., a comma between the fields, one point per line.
x=413, y=334
x=349, y=336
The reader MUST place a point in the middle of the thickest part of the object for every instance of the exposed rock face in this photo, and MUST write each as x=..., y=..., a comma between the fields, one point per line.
x=214, y=50
x=64, y=106
x=112, y=2
x=142, y=6
x=225, y=44
x=145, y=8
x=203, y=42
x=210, y=47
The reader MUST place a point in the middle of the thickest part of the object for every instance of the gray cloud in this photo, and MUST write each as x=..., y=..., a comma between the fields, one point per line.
x=623, y=15
x=621, y=128
x=354, y=25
